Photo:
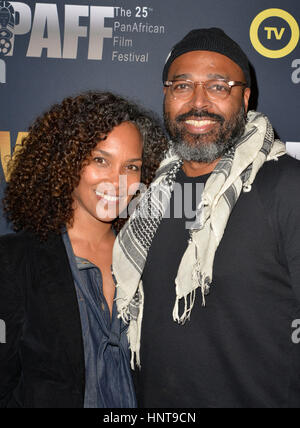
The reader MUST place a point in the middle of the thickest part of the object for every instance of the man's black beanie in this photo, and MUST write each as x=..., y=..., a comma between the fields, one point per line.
x=209, y=39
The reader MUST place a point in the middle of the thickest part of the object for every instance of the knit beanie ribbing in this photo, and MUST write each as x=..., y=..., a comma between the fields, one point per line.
x=213, y=40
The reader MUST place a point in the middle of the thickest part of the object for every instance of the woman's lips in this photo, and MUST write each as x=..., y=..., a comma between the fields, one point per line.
x=112, y=199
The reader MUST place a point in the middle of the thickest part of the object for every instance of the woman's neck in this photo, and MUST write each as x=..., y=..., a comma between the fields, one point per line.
x=93, y=240
x=89, y=229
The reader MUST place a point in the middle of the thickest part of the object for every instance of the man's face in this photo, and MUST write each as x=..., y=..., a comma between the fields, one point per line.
x=203, y=129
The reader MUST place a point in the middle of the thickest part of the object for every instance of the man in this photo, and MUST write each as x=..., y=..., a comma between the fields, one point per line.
x=211, y=309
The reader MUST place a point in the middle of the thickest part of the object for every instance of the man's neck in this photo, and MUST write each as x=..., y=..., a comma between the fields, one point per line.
x=196, y=169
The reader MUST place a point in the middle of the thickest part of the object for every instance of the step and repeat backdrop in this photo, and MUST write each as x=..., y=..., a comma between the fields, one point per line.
x=53, y=49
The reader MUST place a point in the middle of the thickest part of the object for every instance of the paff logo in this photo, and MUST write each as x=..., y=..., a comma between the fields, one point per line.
x=274, y=33
x=48, y=34
x=7, y=23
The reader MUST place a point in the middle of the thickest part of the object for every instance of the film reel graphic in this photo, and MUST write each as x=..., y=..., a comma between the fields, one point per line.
x=7, y=20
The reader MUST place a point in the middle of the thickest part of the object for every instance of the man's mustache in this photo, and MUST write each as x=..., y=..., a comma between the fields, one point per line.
x=199, y=114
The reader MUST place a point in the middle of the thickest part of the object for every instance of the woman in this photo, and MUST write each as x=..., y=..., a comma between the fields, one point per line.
x=66, y=347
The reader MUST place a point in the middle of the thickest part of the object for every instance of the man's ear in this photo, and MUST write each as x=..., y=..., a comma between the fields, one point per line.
x=246, y=95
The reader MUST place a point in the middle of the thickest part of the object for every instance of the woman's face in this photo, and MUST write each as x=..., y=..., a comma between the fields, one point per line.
x=109, y=181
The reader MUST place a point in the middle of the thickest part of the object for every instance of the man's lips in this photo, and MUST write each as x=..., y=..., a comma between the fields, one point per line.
x=200, y=126
x=200, y=122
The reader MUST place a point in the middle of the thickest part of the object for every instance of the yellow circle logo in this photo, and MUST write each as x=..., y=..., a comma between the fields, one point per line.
x=279, y=13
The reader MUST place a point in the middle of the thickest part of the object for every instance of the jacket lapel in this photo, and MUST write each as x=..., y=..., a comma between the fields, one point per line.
x=59, y=285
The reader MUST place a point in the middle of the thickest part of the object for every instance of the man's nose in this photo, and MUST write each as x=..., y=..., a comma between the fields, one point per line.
x=200, y=98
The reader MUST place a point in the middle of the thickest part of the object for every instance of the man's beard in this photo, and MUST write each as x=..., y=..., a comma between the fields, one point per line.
x=205, y=147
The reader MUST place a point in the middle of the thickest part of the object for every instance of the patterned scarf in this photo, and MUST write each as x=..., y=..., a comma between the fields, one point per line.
x=235, y=172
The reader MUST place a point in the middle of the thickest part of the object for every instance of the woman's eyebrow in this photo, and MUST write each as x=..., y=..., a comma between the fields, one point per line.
x=134, y=160
x=103, y=152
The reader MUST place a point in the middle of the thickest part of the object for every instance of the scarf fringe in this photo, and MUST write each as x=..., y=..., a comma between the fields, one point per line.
x=189, y=302
x=124, y=315
x=133, y=333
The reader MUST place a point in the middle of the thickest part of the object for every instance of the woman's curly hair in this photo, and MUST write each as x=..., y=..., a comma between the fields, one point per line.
x=46, y=169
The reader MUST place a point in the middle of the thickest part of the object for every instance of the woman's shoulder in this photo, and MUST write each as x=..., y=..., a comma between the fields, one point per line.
x=22, y=249
x=15, y=250
x=17, y=243
x=17, y=238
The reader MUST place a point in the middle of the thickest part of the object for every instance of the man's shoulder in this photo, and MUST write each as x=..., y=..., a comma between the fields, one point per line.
x=280, y=172
x=277, y=182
